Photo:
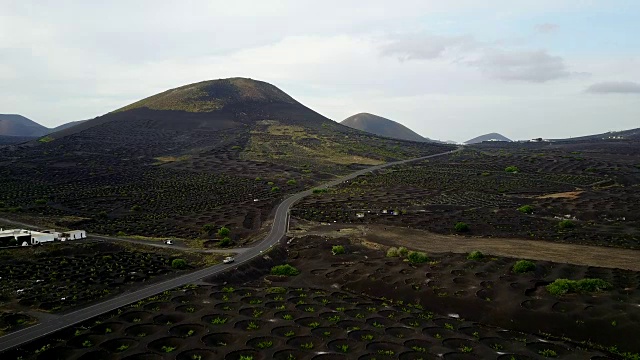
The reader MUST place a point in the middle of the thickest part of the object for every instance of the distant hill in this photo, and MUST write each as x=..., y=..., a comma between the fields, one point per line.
x=22, y=128
x=378, y=125
x=487, y=137
x=67, y=125
x=611, y=135
x=18, y=125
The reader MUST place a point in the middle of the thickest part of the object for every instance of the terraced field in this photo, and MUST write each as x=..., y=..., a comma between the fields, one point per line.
x=364, y=305
x=594, y=190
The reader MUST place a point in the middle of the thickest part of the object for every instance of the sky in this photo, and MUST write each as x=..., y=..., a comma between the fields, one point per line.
x=449, y=70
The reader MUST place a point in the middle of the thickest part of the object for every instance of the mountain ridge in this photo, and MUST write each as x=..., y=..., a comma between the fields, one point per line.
x=381, y=126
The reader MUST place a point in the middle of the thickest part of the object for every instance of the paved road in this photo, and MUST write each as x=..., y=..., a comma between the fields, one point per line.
x=278, y=231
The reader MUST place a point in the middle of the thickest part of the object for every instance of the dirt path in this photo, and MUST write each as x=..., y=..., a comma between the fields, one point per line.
x=517, y=248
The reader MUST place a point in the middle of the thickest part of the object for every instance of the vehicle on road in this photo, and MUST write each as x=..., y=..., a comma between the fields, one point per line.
x=168, y=242
x=228, y=260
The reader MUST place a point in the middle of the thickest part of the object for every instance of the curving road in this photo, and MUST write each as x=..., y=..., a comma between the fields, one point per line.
x=278, y=231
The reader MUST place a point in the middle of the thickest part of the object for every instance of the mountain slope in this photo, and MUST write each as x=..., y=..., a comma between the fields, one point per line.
x=611, y=135
x=378, y=125
x=66, y=125
x=18, y=125
x=487, y=137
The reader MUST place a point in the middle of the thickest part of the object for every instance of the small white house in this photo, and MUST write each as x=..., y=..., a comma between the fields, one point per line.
x=73, y=235
x=360, y=215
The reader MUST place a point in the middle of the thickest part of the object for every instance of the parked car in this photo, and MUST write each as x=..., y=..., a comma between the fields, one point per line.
x=168, y=242
x=228, y=260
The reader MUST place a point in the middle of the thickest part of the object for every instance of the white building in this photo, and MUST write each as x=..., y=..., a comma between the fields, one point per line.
x=14, y=237
x=73, y=235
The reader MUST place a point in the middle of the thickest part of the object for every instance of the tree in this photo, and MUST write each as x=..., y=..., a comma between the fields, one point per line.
x=224, y=232
x=461, y=227
x=225, y=242
x=178, y=264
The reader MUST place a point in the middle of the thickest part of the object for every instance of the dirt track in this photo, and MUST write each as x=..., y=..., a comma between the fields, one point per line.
x=517, y=248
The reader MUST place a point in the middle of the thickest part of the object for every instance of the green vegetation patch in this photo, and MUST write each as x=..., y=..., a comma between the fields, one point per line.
x=337, y=250
x=565, y=286
x=566, y=224
x=45, y=139
x=284, y=270
x=526, y=209
x=523, y=266
x=475, y=255
x=461, y=227
x=416, y=257
x=511, y=169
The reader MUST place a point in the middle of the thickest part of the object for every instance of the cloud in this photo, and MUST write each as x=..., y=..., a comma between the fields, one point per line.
x=547, y=28
x=614, y=87
x=413, y=47
x=532, y=66
x=497, y=62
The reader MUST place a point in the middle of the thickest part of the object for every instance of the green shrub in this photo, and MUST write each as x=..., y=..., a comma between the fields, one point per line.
x=41, y=201
x=284, y=270
x=178, y=264
x=275, y=189
x=403, y=251
x=566, y=224
x=416, y=257
x=392, y=252
x=291, y=182
x=485, y=174
x=236, y=147
x=45, y=139
x=511, y=169
x=225, y=242
x=224, y=232
x=461, y=227
x=337, y=250
x=320, y=191
x=523, y=266
x=526, y=209
x=565, y=286
x=208, y=228
x=475, y=255
x=121, y=233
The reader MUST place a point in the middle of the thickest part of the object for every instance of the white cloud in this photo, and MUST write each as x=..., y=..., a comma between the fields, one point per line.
x=615, y=87
x=547, y=28
x=533, y=66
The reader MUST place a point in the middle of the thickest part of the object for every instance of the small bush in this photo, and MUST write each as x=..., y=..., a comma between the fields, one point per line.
x=41, y=201
x=416, y=257
x=225, y=242
x=523, y=266
x=566, y=224
x=284, y=270
x=320, y=191
x=461, y=227
x=224, y=232
x=275, y=189
x=485, y=174
x=178, y=264
x=337, y=250
x=526, y=209
x=511, y=169
x=565, y=286
x=392, y=252
x=291, y=182
x=475, y=255
x=403, y=251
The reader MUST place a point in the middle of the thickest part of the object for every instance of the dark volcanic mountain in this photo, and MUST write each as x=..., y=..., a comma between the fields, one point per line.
x=378, y=125
x=18, y=125
x=66, y=125
x=217, y=152
x=487, y=137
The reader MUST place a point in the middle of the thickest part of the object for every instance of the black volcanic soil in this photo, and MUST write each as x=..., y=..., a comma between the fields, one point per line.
x=363, y=305
x=595, y=186
x=61, y=276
